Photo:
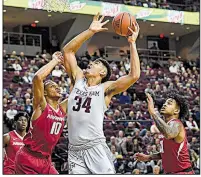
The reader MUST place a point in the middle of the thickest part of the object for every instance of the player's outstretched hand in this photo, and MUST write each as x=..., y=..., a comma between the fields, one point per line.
x=135, y=31
x=58, y=56
x=97, y=24
x=150, y=104
x=141, y=157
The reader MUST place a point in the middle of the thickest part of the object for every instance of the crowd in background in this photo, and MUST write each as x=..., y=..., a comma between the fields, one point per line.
x=180, y=5
x=127, y=122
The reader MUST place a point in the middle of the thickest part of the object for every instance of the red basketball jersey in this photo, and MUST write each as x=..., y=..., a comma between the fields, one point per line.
x=45, y=131
x=16, y=142
x=175, y=156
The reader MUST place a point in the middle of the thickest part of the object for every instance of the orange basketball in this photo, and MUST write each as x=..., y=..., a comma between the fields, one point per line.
x=121, y=22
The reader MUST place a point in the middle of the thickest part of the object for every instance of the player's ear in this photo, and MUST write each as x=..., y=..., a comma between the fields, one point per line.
x=177, y=111
x=103, y=73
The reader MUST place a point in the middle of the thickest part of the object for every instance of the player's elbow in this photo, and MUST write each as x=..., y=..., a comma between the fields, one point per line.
x=134, y=77
x=67, y=49
x=36, y=78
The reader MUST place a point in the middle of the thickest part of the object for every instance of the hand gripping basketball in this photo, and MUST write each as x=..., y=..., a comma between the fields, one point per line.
x=97, y=24
x=134, y=31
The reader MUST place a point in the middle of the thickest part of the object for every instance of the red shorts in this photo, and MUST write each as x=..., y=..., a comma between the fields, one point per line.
x=9, y=170
x=185, y=173
x=30, y=163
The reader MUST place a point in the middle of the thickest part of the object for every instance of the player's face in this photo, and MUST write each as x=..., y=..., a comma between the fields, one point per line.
x=53, y=90
x=21, y=123
x=94, y=69
x=169, y=107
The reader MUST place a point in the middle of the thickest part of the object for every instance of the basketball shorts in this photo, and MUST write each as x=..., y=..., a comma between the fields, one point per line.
x=27, y=162
x=9, y=170
x=94, y=160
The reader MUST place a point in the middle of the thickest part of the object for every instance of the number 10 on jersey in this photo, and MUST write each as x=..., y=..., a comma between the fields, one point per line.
x=56, y=126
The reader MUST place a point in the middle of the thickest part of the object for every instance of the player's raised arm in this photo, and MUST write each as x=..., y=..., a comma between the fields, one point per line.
x=169, y=131
x=40, y=75
x=123, y=83
x=72, y=47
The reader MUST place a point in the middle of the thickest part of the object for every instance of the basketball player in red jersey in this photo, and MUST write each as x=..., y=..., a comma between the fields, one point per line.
x=46, y=125
x=13, y=141
x=174, y=150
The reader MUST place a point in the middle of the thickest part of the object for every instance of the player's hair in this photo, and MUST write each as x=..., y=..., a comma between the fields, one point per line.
x=181, y=101
x=20, y=114
x=47, y=82
x=107, y=65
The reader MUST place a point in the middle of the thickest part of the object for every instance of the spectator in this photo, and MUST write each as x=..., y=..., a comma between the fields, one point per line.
x=46, y=56
x=192, y=125
x=147, y=139
x=174, y=68
x=139, y=116
x=141, y=166
x=153, y=4
x=17, y=78
x=156, y=170
x=22, y=57
x=136, y=147
x=55, y=44
x=5, y=104
x=136, y=172
x=195, y=145
x=19, y=99
x=131, y=116
x=119, y=140
x=17, y=66
x=122, y=113
x=56, y=72
x=124, y=98
x=127, y=146
x=31, y=74
x=33, y=65
x=8, y=66
x=117, y=115
x=129, y=131
x=114, y=152
x=13, y=55
x=154, y=149
x=28, y=107
x=26, y=78
x=41, y=63
x=113, y=142
x=11, y=90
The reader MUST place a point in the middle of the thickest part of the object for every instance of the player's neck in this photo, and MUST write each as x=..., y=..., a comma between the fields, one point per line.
x=53, y=103
x=21, y=133
x=168, y=118
x=92, y=81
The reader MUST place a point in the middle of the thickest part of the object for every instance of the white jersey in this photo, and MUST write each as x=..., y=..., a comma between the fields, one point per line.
x=86, y=108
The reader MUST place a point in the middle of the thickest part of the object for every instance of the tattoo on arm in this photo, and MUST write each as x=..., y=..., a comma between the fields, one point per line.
x=169, y=131
x=155, y=156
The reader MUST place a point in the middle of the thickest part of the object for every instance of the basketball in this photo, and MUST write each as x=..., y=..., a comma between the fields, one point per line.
x=121, y=22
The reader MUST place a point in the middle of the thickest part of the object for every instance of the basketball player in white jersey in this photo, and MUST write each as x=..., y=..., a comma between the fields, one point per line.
x=89, y=99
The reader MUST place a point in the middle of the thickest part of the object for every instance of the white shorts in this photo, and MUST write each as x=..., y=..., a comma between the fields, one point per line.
x=95, y=160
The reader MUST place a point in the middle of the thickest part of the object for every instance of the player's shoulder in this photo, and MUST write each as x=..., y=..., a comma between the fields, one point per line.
x=6, y=138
